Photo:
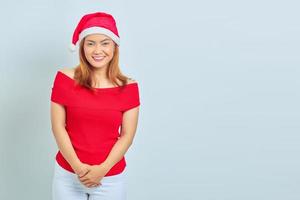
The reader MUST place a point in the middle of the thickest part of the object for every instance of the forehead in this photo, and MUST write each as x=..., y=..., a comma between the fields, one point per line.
x=96, y=36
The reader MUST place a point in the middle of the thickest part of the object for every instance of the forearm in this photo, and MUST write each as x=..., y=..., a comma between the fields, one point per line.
x=117, y=152
x=65, y=146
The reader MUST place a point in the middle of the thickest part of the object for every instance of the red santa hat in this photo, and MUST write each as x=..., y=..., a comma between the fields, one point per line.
x=98, y=22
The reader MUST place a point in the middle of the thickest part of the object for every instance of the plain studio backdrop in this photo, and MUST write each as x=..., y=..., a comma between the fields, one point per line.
x=219, y=91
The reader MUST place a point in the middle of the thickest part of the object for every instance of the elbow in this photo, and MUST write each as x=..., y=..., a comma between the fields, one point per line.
x=128, y=140
x=130, y=143
x=57, y=128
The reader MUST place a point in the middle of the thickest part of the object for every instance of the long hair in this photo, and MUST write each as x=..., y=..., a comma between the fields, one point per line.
x=83, y=72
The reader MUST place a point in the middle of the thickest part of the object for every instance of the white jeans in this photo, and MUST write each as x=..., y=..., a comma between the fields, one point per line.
x=67, y=186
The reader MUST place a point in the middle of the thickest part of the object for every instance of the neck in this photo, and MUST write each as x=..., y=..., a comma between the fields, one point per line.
x=99, y=76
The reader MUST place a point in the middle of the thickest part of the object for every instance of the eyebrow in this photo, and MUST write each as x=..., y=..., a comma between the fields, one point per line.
x=101, y=40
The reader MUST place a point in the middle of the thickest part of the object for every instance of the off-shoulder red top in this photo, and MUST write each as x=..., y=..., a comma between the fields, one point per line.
x=93, y=120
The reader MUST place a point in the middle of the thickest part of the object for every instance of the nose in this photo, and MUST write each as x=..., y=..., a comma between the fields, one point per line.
x=98, y=49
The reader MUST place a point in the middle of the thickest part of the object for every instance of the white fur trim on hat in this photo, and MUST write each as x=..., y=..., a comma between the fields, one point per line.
x=98, y=29
x=93, y=30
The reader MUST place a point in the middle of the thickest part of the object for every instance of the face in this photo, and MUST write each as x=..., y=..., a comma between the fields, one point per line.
x=98, y=50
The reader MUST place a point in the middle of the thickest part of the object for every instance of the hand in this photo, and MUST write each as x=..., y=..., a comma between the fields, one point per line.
x=81, y=169
x=93, y=176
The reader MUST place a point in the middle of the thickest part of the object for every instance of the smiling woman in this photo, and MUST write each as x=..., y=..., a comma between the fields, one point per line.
x=98, y=50
x=99, y=62
x=94, y=116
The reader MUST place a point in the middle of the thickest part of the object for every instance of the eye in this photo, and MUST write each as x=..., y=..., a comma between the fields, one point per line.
x=105, y=43
x=90, y=43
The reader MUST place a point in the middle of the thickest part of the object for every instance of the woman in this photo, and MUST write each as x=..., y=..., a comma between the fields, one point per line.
x=94, y=115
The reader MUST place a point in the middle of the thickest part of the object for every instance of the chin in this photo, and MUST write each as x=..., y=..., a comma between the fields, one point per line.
x=97, y=65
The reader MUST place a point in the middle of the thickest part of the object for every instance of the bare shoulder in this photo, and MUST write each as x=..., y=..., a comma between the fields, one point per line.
x=68, y=71
x=131, y=80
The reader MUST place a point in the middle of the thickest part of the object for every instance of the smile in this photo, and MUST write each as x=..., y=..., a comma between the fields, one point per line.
x=98, y=58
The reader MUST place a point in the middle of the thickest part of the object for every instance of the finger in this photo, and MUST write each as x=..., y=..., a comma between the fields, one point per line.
x=84, y=179
x=91, y=185
x=83, y=174
x=86, y=182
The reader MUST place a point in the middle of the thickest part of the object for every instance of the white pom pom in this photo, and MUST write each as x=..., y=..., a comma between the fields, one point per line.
x=72, y=47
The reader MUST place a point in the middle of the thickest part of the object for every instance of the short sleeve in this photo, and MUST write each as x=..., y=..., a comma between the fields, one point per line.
x=132, y=97
x=59, y=91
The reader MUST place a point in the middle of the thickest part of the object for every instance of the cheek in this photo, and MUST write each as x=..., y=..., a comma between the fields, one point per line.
x=110, y=51
x=87, y=52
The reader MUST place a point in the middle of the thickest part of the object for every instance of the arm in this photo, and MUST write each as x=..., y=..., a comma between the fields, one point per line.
x=61, y=136
x=128, y=129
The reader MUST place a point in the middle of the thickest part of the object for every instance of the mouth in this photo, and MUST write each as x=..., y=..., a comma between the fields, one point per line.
x=98, y=58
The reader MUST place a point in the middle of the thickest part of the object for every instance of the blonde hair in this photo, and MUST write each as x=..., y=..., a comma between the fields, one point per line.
x=83, y=72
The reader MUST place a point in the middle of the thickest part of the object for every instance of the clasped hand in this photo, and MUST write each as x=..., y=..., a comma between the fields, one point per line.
x=90, y=175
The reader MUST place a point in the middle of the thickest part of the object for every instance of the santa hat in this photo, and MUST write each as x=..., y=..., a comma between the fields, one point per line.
x=98, y=22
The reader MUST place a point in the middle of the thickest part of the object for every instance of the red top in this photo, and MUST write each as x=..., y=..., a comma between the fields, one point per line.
x=93, y=120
